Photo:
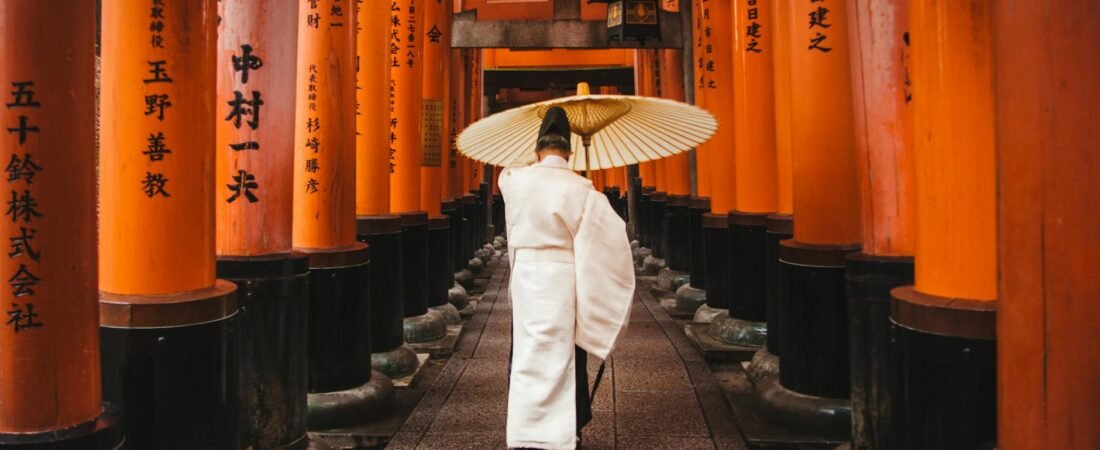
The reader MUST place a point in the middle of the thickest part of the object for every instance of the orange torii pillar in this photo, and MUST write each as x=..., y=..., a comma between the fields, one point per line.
x=944, y=325
x=755, y=172
x=883, y=125
x=692, y=296
x=49, y=344
x=459, y=100
x=716, y=79
x=257, y=45
x=779, y=226
x=168, y=326
x=1046, y=55
x=343, y=390
x=813, y=375
x=375, y=226
x=409, y=38
x=436, y=38
x=677, y=223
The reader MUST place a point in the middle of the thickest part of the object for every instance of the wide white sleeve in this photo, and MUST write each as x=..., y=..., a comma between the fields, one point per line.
x=605, y=277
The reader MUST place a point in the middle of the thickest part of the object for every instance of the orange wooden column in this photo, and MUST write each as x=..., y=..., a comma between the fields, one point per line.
x=716, y=78
x=1046, y=55
x=700, y=37
x=754, y=174
x=456, y=122
x=255, y=133
x=435, y=47
x=883, y=132
x=951, y=306
x=781, y=63
x=642, y=87
x=652, y=87
x=256, y=70
x=157, y=225
x=826, y=198
x=677, y=172
x=325, y=208
x=407, y=44
x=49, y=345
x=372, y=158
x=324, y=158
x=754, y=164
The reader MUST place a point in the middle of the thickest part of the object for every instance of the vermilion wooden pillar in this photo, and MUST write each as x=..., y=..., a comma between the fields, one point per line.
x=343, y=391
x=436, y=146
x=1046, y=55
x=700, y=37
x=49, y=344
x=408, y=43
x=944, y=333
x=716, y=79
x=689, y=298
x=883, y=124
x=643, y=67
x=456, y=122
x=168, y=326
x=780, y=225
x=256, y=67
x=677, y=227
x=813, y=376
x=755, y=172
x=374, y=226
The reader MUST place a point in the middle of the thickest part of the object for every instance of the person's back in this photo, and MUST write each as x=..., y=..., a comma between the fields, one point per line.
x=571, y=285
x=545, y=203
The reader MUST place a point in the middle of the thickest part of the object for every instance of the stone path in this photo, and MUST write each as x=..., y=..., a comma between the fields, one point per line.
x=657, y=391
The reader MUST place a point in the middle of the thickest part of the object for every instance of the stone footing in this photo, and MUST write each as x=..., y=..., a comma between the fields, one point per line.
x=442, y=347
x=829, y=419
x=476, y=266
x=689, y=300
x=760, y=433
x=714, y=350
x=447, y=312
x=425, y=327
x=465, y=278
x=738, y=332
x=458, y=296
x=671, y=280
x=706, y=313
x=397, y=363
x=329, y=410
x=651, y=266
x=640, y=254
x=764, y=365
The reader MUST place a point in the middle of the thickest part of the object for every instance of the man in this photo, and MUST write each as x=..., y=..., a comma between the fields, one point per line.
x=571, y=288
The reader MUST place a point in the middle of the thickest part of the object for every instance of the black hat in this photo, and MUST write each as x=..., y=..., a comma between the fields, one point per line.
x=555, y=122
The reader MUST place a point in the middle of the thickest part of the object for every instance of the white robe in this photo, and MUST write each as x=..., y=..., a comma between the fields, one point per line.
x=572, y=284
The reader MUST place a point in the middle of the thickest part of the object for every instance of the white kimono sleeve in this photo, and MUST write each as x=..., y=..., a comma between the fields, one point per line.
x=605, y=277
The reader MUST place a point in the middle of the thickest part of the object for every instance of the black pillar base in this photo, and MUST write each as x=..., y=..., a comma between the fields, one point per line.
x=748, y=304
x=440, y=270
x=658, y=202
x=273, y=294
x=678, y=233
x=814, y=316
x=697, y=256
x=643, y=229
x=826, y=419
x=103, y=433
x=780, y=227
x=869, y=281
x=716, y=254
x=419, y=325
x=389, y=355
x=170, y=365
x=944, y=387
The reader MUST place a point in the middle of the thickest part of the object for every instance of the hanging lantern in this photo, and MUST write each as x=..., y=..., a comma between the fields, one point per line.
x=632, y=20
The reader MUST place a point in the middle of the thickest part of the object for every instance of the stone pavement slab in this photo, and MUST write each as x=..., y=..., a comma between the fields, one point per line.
x=656, y=393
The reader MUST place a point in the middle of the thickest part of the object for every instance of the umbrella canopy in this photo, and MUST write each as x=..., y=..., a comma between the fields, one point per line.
x=608, y=131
